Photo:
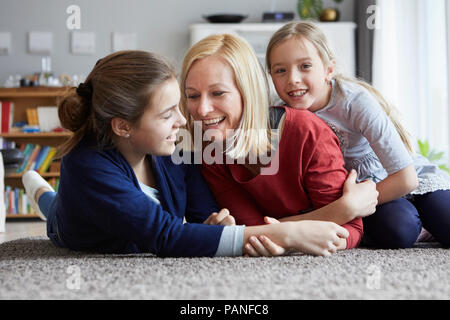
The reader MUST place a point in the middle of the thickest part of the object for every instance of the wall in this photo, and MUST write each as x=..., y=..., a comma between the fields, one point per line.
x=161, y=26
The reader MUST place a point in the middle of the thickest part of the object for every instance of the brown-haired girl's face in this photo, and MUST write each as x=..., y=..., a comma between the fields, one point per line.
x=213, y=96
x=156, y=130
x=299, y=74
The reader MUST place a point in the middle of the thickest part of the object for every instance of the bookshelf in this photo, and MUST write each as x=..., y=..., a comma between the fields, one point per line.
x=24, y=98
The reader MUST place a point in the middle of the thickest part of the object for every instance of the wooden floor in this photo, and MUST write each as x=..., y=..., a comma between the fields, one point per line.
x=21, y=229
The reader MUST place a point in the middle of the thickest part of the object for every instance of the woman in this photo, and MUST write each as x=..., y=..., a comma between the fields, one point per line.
x=225, y=91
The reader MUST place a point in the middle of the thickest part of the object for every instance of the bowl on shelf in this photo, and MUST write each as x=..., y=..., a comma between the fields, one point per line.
x=225, y=18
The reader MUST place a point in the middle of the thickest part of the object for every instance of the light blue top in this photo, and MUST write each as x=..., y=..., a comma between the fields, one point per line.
x=231, y=240
x=152, y=193
x=369, y=141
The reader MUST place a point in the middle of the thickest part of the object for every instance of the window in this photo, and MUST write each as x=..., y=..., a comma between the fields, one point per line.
x=410, y=66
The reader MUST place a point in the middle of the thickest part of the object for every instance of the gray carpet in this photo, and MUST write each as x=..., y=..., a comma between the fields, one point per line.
x=32, y=268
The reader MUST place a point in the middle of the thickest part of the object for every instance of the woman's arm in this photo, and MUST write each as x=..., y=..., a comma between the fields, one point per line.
x=397, y=185
x=358, y=200
x=323, y=174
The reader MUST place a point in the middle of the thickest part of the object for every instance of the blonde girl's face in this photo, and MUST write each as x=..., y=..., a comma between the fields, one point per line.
x=155, y=132
x=212, y=95
x=299, y=75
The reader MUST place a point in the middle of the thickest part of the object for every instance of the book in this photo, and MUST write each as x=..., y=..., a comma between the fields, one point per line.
x=7, y=115
x=27, y=153
x=41, y=157
x=48, y=118
x=32, y=159
x=32, y=117
x=16, y=201
x=46, y=164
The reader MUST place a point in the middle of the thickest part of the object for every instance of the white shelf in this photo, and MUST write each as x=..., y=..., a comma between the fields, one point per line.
x=341, y=36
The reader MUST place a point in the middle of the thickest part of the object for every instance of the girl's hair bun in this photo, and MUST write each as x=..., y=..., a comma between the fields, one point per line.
x=73, y=111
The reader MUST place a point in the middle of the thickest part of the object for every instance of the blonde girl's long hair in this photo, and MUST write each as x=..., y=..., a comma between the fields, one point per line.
x=253, y=135
x=309, y=31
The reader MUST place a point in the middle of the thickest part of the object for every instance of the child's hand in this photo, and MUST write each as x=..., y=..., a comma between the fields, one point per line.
x=361, y=198
x=316, y=237
x=270, y=220
x=222, y=218
x=262, y=246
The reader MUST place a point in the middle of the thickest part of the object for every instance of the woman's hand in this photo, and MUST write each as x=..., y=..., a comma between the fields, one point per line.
x=222, y=218
x=360, y=198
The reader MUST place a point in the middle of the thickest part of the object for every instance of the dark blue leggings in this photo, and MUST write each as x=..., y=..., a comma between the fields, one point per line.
x=47, y=204
x=398, y=223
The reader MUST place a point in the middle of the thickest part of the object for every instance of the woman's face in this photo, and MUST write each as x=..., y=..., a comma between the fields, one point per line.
x=155, y=132
x=212, y=95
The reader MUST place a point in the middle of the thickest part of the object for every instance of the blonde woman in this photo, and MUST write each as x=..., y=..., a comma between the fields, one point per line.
x=373, y=141
x=225, y=91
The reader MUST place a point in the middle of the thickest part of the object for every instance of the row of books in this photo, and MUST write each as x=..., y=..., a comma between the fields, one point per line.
x=16, y=200
x=40, y=119
x=36, y=158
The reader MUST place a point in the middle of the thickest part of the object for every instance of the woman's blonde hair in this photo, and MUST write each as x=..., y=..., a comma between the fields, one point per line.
x=309, y=31
x=253, y=133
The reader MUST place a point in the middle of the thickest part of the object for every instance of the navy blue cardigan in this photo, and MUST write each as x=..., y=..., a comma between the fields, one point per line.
x=100, y=206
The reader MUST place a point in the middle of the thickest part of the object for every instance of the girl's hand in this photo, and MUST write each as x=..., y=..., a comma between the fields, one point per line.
x=263, y=246
x=222, y=218
x=316, y=237
x=361, y=198
x=270, y=220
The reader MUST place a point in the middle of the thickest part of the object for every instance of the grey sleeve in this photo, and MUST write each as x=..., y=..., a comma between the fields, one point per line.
x=231, y=241
x=372, y=122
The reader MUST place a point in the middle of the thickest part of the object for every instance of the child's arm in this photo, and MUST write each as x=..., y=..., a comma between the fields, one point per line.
x=369, y=119
x=357, y=200
x=397, y=185
x=337, y=240
x=310, y=237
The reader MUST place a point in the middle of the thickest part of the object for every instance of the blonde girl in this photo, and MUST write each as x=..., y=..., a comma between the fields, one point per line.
x=372, y=139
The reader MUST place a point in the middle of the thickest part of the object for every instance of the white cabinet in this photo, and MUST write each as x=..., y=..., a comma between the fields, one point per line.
x=341, y=36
